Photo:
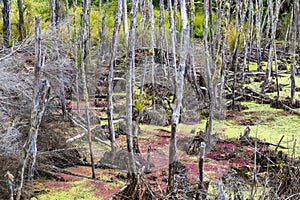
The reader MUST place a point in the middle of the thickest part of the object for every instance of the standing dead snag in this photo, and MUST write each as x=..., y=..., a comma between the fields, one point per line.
x=293, y=55
x=179, y=93
x=38, y=109
x=201, y=188
x=21, y=20
x=6, y=22
x=209, y=122
x=130, y=65
x=113, y=52
x=83, y=50
x=10, y=180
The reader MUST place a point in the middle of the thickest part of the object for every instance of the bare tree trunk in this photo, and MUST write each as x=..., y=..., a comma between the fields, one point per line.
x=52, y=14
x=58, y=12
x=172, y=31
x=38, y=109
x=125, y=22
x=224, y=25
x=293, y=54
x=161, y=36
x=298, y=20
x=76, y=56
x=175, y=16
x=21, y=20
x=258, y=11
x=83, y=49
x=152, y=43
x=114, y=47
x=246, y=42
x=201, y=189
x=131, y=59
x=191, y=52
x=6, y=22
x=69, y=24
x=273, y=19
x=104, y=19
x=209, y=122
x=103, y=30
x=179, y=93
x=10, y=180
x=277, y=4
x=99, y=27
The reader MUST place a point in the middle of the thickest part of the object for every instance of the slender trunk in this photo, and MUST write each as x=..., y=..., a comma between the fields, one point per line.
x=173, y=45
x=114, y=47
x=21, y=20
x=6, y=22
x=104, y=19
x=277, y=4
x=38, y=108
x=293, y=55
x=298, y=20
x=287, y=42
x=131, y=58
x=58, y=12
x=99, y=26
x=103, y=32
x=272, y=50
x=179, y=94
x=125, y=22
x=258, y=11
x=224, y=25
x=191, y=52
x=237, y=12
x=152, y=43
x=161, y=35
x=10, y=180
x=201, y=189
x=69, y=24
x=52, y=14
x=83, y=49
x=211, y=35
x=175, y=16
x=245, y=41
x=209, y=122
x=76, y=57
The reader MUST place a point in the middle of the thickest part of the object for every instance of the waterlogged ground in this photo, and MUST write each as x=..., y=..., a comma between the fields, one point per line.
x=265, y=122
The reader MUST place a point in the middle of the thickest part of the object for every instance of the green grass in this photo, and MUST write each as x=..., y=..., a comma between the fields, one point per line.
x=270, y=124
x=77, y=190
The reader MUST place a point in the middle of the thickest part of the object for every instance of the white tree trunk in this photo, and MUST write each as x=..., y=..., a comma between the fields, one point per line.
x=179, y=93
x=114, y=47
x=129, y=87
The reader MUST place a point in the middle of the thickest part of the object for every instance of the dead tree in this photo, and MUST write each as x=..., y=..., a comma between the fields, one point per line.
x=125, y=22
x=52, y=14
x=21, y=20
x=58, y=12
x=152, y=43
x=179, y=93
x=30, y=147
x=69, y=24
x=76, y=56
x=6, y=22
x=172, y=32
x=83, y=61
x=258, y=16
x=272, y=50
x=201, y=189
x=130, y=65
x=293, y=54
x=209, y=122
x=113, y=53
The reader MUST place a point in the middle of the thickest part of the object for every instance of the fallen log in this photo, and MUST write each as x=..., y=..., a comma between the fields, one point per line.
x=270, y=99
